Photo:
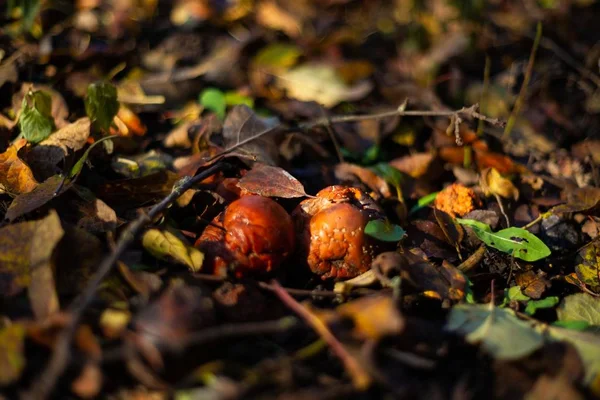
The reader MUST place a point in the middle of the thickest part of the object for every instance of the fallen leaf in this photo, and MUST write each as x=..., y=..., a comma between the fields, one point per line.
x=415, y=165
x=588, y=271
x=26, y=252
x=532, y=284
x=269, y=181
x=498, y=330
x=59, y=108
x=441, y=282
x=35, y=118
x=580, y=307
x=44, y=157
x=493, y=183
x=384, y=231
x=518, y=242
x=101, y=104
x=534, y=305
x=271, y=15
x=89, y=382
x=12, y=353
x=170, y=319
x=320, y=83
x=251, y=135
x=587, y=345
x=214, y=100
x=94, y=215
x=453, y=232
x=582, y=199
x=374, y=317
x=15, y=176
x=137, y=191
x=41, y=195
x=165, y=245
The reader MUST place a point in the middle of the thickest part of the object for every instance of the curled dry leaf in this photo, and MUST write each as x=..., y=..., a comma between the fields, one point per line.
x=15, y=175
x=493, y=183
x=38, y=197
x=269, y=181
x=582, y=199
x=44, y=157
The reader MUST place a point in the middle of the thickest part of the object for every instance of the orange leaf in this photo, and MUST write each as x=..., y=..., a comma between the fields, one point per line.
x=15, y=176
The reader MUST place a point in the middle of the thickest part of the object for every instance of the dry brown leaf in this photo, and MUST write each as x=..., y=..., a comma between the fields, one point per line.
x=269, y=181
x=414, y=165
x=15, y=175
x=272, y=16
x=44, y=157
x=26, y=261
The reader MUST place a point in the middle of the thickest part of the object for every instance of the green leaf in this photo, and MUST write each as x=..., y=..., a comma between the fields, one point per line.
x=534, y=305
x=35, y=121
x=498, y=330
x=233, y=98
x=423, y=202
x=80, y=163
x=214, y=100
x=101, y=104
x=518, y=242
x=166, y=245
x=384, y=231
x=371, y=155
x=580, y=307
x=514, y=293
x=574, y=325
x=391, y=175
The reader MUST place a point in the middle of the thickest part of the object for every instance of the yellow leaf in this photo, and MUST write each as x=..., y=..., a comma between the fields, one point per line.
x=165, y=245
x=373, y=317
x=493, y=183
x=15, y=175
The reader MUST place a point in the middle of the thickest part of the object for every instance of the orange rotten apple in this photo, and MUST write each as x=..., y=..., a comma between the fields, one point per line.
x=456, y=200
x=254, y=234
x=331, y=231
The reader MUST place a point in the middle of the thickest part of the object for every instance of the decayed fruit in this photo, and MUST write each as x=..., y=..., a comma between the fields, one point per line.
x=457, y=200
x=254, y=234
x=331, y=233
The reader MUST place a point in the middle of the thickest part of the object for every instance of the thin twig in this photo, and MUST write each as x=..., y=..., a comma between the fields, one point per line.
x=499, y=200
x=44, y=384
x=523, y=92
x=332, y=136
x=271, y=288
x=360, y=377
x=473, y=259
x=469, y=112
